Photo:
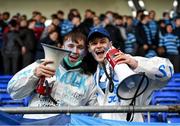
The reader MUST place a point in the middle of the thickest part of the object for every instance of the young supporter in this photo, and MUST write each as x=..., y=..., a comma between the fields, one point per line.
x=72, y=85
x=158, y=70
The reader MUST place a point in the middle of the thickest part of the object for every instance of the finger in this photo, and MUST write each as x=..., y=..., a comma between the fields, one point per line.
x=119, y=57
x=47, y=75
x=122, y=61
x=46, y=68
x=47, y=72
x=45, y=62
x=119, y=53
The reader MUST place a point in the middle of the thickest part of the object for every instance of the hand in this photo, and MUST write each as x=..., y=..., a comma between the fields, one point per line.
x=23, y=50
x=145, y=46
x=43, y=70
x=161, y=51
x=120, y=58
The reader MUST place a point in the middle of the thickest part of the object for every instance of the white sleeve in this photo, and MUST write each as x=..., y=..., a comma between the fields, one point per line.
x=23, y=83
x=156, y=68
x=92, y=97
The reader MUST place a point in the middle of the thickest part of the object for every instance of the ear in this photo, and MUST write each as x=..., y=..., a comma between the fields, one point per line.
x=89, y=49
x=110, y=44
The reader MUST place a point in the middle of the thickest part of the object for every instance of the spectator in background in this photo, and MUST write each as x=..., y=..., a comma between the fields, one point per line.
x=76, y=21
x=96, y=21
x=51, y=39
x=171, y=44
x=3, y=26
x=67, y=26
x=146, y=45
x=28, y=38
x=89, y=14
x=130, y=43
x=162, y=28
x=137, y=19
x=6, y=17
x=166, y=17
x=119, y=24
x=48, y=30
x=60, y=15
x=57, y=23
x=153, y=26
x=115, y=34
x=38, y=26
x=12, y=48
x=177, y=27
x=23, y=17
x=129, y=24
x=43, y=19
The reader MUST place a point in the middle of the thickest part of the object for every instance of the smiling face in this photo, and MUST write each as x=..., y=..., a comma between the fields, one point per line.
x=77, y=48
x=98, y=47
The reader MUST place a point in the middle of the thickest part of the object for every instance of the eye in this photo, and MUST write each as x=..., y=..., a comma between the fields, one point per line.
x=103, y=41
x=93, y=43
x=80, y=47
x=71, y=45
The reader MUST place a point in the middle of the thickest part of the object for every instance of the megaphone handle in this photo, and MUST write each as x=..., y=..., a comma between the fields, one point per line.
x=111, y=84
x=129, y=114
x=40, y=88
x=48, y=91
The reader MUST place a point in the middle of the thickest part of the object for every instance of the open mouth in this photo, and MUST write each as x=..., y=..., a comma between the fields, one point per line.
x=73, y=58
x=100, y=52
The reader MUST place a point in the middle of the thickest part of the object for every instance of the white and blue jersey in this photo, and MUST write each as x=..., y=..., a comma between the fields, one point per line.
x=158, y=70
x=171, y=43
x=70, y=88
x=153, y=28
x=130, y=44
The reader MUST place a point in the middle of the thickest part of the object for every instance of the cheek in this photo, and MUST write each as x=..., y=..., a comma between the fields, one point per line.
x=67, y=48
x=82, y=53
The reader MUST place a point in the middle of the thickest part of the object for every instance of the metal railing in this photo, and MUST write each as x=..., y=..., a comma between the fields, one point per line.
x=90, y=109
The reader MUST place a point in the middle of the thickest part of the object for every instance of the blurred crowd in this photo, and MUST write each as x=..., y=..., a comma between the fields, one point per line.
x=143, y=35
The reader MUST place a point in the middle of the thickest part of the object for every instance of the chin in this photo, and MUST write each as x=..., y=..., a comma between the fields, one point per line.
x=100, y=60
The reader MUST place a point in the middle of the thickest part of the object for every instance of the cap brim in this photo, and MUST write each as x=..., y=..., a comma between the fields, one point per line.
x=97, y=35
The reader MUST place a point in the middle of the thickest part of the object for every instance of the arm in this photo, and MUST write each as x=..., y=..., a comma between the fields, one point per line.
x=25, y=81
x=92, y=98
x=156, y=68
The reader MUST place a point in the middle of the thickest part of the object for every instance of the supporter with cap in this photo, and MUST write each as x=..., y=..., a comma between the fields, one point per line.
x=158, y=70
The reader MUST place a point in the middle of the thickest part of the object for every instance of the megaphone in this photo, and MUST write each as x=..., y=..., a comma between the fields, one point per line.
x=56, y=55
x=131, y=84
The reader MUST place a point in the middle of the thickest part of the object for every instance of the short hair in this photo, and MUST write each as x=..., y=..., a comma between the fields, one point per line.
x=75, y=35
x=143, y=16
x=13, y=23
x=60, y=12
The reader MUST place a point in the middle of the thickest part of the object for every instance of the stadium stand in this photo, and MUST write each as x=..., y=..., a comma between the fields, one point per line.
x=169, y=95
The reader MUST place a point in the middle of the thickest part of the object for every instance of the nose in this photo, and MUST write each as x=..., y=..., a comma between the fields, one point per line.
x=99, y=45
x=75, y=50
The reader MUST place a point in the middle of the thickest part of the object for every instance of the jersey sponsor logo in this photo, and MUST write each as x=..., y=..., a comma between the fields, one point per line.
x=73, y=78
x=164, y=71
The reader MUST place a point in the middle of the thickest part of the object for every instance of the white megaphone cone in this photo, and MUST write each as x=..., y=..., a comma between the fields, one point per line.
x=55, y=54
x=129, y=81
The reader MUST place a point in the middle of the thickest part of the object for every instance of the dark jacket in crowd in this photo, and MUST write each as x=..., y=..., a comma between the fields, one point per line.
x=39, y=49
x=116, y=37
